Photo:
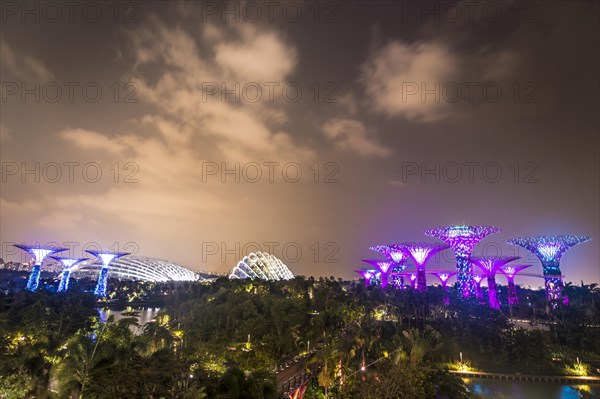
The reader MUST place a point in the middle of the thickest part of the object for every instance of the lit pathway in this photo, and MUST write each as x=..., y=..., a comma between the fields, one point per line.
x=527, y=377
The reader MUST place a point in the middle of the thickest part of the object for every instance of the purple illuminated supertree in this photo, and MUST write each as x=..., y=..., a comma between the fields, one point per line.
x=38, y=254
x=509, y=272
x=68, y=264
x=393, y=252
x=490, y=266
x=478, y=279
x=370, y=275
x=106, y=258
x=384, y=266
x=413, y=280
x=549, y=250
x=444, y=277
x=420, y=254
x=462, y=240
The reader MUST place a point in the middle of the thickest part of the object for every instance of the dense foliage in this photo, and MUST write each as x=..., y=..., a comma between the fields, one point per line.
x=226, y=339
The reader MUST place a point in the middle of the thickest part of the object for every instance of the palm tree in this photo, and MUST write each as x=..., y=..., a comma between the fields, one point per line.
x=422, y=343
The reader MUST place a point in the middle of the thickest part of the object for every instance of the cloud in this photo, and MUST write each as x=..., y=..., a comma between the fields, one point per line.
x=186, y=65
x=170, y=144
x=351, y=135
x=88, y=140
x=22, y=66
x=260, y=57
x=395, y=75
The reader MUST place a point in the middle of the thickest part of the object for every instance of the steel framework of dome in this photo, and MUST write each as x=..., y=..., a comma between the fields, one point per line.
x=138, y=268
x=261, y=265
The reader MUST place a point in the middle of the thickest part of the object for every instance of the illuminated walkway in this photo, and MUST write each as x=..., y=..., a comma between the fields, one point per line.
x=528, y=377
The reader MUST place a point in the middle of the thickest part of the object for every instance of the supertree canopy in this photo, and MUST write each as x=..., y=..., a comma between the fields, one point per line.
x=370, y=275
x=490, y=266
x=392, y=251
x=462, y=240
x=38, y=253
x=420, y=254
x=444, y=277
x=383, y=266
x=106, y=258
x=509, y=272
x=549, y=250
x=68, y=264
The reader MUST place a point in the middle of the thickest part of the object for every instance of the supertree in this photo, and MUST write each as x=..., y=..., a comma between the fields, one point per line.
x=38, y=254
x=393, y=252
x=106, y=258
x=490, y=266
x=509, y=272
x=420, y=254
x=397, y=275
x=370, y=275
x=462, y=240
x=444, y=277
x=384, y=266
x=67, y=264
x=549, y=250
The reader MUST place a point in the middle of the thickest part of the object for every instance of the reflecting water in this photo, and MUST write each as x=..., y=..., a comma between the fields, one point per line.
x=487, y=388
x=146, y=315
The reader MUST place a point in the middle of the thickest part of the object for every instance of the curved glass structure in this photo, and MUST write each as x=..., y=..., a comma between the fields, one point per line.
x=139, y=268
x=261, y=265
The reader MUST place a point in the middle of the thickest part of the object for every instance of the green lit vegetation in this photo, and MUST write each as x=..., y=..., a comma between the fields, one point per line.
x=226, y=339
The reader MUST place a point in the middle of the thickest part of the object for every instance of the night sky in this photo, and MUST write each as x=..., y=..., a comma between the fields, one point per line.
x=197, y=132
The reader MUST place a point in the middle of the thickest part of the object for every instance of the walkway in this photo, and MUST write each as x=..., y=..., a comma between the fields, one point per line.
x=528, y=377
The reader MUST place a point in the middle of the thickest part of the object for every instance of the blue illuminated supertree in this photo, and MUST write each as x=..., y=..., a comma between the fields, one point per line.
x=384, y=266
x=462, y=240
x=106, y=258
x=491, y=266
x=68, y=264
x=420, y=254
x=370, y=276
x=38, y=253
x=509, y=272
x=549, y=250
x=396, y=275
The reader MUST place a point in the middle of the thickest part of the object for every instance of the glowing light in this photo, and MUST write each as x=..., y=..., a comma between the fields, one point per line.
x=141, y=268
x=549, y=250
x=106, y=258
x=391, y=251
x=510, y=272
x=67, y=265
x=490, y=266
x=420, y=253
x=263, y=266
x=383, y=266
x=370, y=275
x=462, y=240
x=444, y=277
x=38, y=253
